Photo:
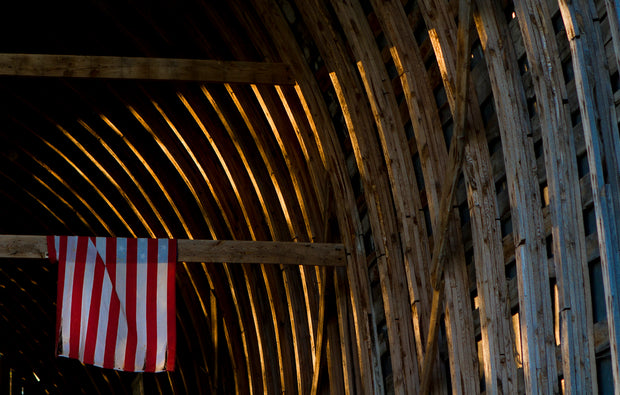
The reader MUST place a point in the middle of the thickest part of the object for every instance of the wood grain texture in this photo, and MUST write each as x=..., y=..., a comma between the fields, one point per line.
x=521, y=175
x=75, y=66
x=236, y=251
x=613, y=15
x=490, y=278
x=424, y=117
x=390, y=127
x=451, y=176
x=560, y=163
x=600, y=128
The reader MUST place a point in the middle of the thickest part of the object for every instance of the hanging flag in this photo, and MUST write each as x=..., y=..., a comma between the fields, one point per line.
x=116, y=301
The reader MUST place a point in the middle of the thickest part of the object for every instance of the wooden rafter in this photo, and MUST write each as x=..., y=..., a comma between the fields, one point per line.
x=230, y=251
x=115, y=67
x=457, y=149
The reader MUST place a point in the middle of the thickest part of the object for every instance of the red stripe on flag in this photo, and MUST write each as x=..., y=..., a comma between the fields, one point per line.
x=76, y=298
x=112, y=331
x=151, y=306
x=54, y=257
x=95, y=306
x=51, y=249
x=130, y=308
x=172, y=336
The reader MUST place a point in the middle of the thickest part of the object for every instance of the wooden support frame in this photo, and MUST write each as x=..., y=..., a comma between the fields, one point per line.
x=457, y=151
x=116, y=67
x=571, y=270
x=600, y=127
x=229, y=251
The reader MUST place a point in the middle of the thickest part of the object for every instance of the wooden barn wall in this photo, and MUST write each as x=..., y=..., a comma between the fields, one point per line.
x=520, y=166
x=356, y=153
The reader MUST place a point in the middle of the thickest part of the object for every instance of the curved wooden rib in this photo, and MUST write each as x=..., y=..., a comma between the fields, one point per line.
x=386, y=227
x=348, y=218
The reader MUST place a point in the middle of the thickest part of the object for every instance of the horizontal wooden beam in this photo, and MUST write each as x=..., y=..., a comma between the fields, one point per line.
x=231, y=251
x=115, y=67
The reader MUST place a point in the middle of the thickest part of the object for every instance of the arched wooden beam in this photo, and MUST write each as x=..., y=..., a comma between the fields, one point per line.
x=348, y=218
x=284, y=226
x=369, y=159
x=257, y=215
x=276, y=227
x=402, y=185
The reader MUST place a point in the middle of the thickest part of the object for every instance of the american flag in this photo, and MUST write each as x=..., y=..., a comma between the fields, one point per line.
x=116, y=301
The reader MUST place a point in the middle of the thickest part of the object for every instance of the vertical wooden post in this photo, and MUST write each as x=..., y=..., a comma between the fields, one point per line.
x=600, y=127
x=552, y=105
x=521, y=173
x=613, y=16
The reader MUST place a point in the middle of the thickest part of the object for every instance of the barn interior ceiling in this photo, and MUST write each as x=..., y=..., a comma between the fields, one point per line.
x=334, y=134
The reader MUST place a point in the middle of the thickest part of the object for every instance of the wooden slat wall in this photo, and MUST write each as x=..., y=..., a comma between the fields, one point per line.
x=600, y=127
x=525, y=201
x=568, y=235
x=481, y=197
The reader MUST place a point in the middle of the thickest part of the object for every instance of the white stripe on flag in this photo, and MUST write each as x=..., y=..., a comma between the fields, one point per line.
x=141, y=283
x=104, y=311
x=121, y=269
x=87, y=291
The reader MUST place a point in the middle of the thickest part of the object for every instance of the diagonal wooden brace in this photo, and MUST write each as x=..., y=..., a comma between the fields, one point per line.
x=457, y=151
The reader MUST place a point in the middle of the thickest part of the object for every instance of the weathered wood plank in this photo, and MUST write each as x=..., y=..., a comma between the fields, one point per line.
x=600, y=128
x=478, y=178
x=553, y=111
x=420, y=107
x=115, y=67
x=320, y=341
x=457, y=146
x=397, y=159
x=613, y=16
x=230, y=251
x=460, y=79
x=521, y=176
x=351, y=380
